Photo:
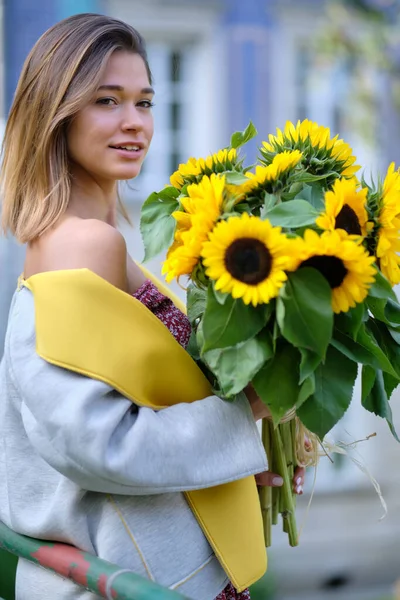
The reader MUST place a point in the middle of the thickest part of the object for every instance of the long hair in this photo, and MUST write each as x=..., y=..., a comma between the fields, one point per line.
x=59, y=77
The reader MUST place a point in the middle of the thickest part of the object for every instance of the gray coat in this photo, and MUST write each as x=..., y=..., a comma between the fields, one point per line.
x=81, y=464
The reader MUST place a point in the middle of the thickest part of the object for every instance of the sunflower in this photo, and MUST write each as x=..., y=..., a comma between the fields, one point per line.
x=202, y=207
x=185, y=171
x=345, y=208
x=343, y=261
x=247, y=258
x=388, y=245
x=322, y=154
x=223, y=160
x=268, y=178
x=183, y=256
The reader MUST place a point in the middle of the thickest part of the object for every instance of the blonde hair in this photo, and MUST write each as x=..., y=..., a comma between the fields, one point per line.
x=59, y=77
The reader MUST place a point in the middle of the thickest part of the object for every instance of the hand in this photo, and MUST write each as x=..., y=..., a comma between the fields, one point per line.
x=274, y=480
x=259, y=409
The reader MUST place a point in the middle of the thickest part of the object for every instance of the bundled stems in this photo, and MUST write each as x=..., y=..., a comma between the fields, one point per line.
x=286, y=435
x=266, y=491
x=280, y=447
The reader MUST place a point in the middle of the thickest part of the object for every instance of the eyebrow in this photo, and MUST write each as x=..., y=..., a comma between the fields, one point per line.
x=119, y=88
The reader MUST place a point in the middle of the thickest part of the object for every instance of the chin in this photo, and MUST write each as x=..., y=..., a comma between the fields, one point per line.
x=124, y=174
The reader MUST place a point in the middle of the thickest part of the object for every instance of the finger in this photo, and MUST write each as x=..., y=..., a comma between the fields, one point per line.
x=299, y=473
x=269, y=479
x=298, y=480
x=307, y=443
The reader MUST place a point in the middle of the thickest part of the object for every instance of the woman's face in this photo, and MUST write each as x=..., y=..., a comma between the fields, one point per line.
x=109, y=138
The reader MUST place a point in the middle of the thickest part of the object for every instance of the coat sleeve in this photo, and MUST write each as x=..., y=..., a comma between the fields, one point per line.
x=103, y=442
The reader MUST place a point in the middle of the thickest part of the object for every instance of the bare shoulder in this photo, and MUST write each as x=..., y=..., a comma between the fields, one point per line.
x=91, y=235
x=87, y=244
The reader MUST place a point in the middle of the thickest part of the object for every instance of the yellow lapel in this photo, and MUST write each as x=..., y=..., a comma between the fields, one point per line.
x=86, y=325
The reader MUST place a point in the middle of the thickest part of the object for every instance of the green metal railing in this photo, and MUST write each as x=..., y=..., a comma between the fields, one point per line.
x=90, y=572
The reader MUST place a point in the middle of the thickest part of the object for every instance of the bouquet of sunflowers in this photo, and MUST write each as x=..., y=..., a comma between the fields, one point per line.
x=290, y=267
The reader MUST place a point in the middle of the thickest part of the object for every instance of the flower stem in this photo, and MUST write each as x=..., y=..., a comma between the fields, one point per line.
x=266, y=491
x=275, y=504
x=279, y=444
x=287, y=503
x=286, y=435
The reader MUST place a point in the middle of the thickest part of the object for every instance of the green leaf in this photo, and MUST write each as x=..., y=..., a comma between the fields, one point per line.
x=377, y=401
x=351, y=321
x=385, y=310
x=381, y=288
x=230, y=323
x=377, y=307
x=236, y=367
x=395, y=333
x=334, y=382
x=382, y=301
x=365, y=350
x=309, y=362
x=168, y=193
x=196, y=303
x=239, y=138
x=270, y=201
x=193, y=348
x=235, y=178
x=307, y=177
x=304, y=311
x=368, y=375
x=388, y=346
x=277, y=382
x=306, y=390
x=392, y=312
x=156, y=224
x=314, y=194
x=276, y=334
x=291, y=214
x=200, y=336
x=390, y=383
x=219, y=296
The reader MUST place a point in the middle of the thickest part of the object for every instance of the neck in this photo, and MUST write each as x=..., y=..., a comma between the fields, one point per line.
x=91, y=199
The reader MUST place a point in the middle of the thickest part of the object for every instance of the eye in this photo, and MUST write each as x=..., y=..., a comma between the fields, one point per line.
x=106, y=101
x=145, y=104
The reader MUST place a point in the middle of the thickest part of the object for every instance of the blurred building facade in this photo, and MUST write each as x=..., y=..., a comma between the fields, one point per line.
x=218, y=64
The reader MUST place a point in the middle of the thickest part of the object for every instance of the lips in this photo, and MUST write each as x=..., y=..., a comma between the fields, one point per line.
x=129, y=146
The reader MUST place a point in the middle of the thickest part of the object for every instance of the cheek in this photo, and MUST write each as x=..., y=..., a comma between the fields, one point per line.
x=150, y=128
x=86, y=136
x=77, y=138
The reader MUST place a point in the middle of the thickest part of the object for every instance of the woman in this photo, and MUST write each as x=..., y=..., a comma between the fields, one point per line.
x=94, y=350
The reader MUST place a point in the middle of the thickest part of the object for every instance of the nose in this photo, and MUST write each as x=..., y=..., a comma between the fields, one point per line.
x=132, y=119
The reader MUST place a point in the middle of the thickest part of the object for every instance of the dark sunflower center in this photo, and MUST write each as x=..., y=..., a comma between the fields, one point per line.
x=348, y=220
x=331, y=267
x=248, y=260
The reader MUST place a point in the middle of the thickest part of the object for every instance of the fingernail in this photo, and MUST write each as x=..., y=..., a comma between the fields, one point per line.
x=298, y=481
x=299, y=489
x=277, y=481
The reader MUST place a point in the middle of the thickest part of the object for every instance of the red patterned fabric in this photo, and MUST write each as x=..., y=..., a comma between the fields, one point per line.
x=163, y=308
x=179, y=325
x=229, y=593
